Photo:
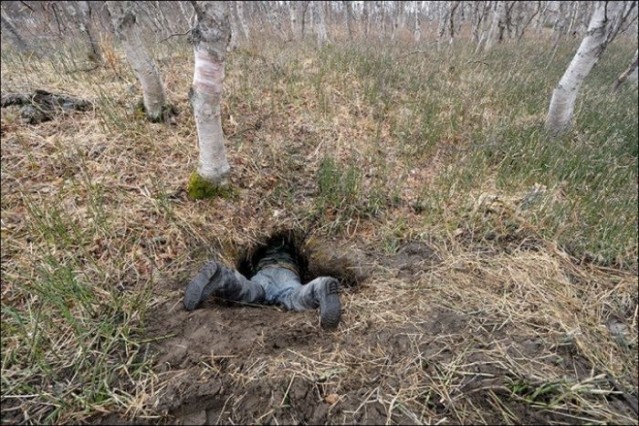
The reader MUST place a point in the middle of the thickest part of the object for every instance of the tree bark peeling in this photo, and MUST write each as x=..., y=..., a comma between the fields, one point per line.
x=211, y=37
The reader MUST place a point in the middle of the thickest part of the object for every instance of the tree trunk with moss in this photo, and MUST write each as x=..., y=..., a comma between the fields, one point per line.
x=127, y=30
x=210, y=39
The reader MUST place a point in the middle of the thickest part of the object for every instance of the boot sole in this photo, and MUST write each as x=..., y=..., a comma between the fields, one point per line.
x=330, y=306
x=195, y=290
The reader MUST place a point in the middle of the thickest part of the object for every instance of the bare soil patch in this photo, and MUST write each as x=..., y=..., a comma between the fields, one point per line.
x=228, y=363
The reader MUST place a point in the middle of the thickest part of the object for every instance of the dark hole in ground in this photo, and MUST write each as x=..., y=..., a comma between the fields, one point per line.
x=323, y=260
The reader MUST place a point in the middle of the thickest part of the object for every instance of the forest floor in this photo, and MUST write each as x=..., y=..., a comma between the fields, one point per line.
x=489, y=273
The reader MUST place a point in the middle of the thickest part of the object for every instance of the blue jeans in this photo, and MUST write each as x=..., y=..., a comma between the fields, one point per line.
x=273, y=285
x=277, y=283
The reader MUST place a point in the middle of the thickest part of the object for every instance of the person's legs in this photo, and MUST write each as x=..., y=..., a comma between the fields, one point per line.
x=223, y=282
x=322, y=293
x=273, y=285
x=277, y=282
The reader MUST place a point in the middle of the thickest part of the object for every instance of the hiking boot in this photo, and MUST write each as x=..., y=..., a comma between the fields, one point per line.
x=322, y=293
x=222, y=282
x=327, y=293
x=200, y=287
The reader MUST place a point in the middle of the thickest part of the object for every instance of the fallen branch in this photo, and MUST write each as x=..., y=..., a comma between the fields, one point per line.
x=176, y=35
x=42, y=105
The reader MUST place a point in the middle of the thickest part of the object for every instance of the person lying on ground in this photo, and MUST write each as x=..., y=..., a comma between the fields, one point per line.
x=276, y=282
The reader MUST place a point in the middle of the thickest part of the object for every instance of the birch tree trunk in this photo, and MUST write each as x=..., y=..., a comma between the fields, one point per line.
x=366, y=15
x=292, y=8
x=233, y=21
x=168, y=24
x=509, y=27
x=312, y=20
x=481, y=28
x=210, y=37
x=380, y=14
x=541, y=18
x=401, y=14
x=521, y=29
x=127, y=31
x=320, y=27
x=630, y=72
x=305, y=8
x=444, y=10
x=398, y=18
x=189, y=18
x=9, y=29
x=240, y=16
x=498, y=25
x=604, y=25
x=349, y=18
x=87, y=28
x=480, y=9
x=453, y=5
x=273, y=19
x=417, y=32
x=573, y=17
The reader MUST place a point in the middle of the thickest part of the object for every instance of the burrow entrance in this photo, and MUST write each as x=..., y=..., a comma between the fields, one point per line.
x=314, y=259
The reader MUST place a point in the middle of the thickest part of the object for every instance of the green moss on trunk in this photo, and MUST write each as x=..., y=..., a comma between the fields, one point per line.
x=200, y=188
x=167, y=115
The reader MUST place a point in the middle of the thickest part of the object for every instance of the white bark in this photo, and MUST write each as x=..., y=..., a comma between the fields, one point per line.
x=496, y=33
x=523, y=25
x=479, y=12
x=320, y=27
x=9, y=29
x=292, y=8
x=349, y=17
x=240, y=16
x=573, y=17
x=86, y=28
x=234, y=25
x=629, y=73
x=604, y=25
x=444, y=10
x=447, y=22
x=311, y=17
x=417, y=32
x=188, y=17
x=401, y=14
x=451, y=21
x=541, y=18
x=210, y=38
x=366, y=15
x=127, y=30
x=380, y=14
x=168, y=24
x=398, y=18
x=274, y=21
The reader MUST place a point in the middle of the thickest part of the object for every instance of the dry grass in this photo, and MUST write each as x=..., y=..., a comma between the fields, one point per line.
x=370, y=150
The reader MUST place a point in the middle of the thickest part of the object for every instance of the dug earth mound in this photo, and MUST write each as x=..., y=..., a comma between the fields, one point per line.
x=408, y=351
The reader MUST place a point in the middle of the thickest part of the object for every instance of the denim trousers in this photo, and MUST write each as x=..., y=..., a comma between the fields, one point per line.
x=278, y=283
